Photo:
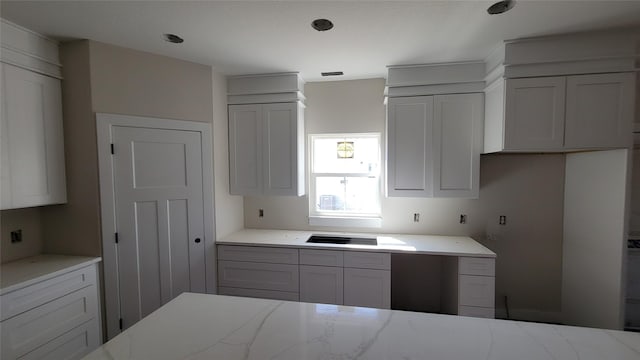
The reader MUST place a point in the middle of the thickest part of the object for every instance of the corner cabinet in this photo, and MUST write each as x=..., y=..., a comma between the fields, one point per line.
x=434, y=145
x=266, y=149
x=560, y=113
x=32, y=146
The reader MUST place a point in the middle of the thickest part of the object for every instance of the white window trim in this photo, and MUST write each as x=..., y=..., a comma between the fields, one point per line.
x=364, y=220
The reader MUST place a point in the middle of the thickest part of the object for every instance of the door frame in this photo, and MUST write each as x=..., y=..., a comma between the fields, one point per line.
x=104, y=126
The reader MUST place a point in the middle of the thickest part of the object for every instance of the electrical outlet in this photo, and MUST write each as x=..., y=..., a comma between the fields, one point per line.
x=463, y=219
x=260, y=213
x=16, y=236
x=416, y=217
x=502, y=220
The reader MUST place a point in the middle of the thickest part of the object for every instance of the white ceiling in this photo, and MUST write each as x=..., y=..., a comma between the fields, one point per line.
x=242, y=37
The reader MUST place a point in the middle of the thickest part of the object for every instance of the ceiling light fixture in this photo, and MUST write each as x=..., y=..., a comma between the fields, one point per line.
x=322, y=24
x=332, y=73
x=501, y=7
x=173, y=38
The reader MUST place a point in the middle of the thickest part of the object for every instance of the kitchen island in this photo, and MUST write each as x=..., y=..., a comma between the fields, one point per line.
x=199, y=326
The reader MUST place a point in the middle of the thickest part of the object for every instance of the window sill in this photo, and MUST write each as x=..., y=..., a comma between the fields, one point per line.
x=345, y=221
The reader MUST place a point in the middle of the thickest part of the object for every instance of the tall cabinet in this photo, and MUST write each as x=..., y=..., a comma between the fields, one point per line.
x=266, y=135
x=31, y=135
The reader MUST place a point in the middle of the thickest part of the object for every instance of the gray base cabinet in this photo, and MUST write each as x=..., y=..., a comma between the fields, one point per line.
x=367, y=287
x=321, y=284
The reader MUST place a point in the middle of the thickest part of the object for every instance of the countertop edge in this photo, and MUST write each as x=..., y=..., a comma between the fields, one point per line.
x=47, y=276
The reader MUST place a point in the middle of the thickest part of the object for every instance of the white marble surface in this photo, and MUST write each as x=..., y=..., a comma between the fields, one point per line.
x=198, y=326
x=393, y=243
x=17, y=274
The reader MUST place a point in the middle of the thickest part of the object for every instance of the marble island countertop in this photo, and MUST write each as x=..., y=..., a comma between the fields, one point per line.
x=393, y=243
x=199, y=326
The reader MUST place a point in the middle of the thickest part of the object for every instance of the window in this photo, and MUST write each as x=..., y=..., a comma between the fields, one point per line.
x=344, y=177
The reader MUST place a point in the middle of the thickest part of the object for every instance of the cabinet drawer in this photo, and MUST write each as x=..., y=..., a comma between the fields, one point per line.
x=476, y=266
x=27, y=298
x=476, y=291
x=321, y=257
x=26, y=332
x=367, y=260
x=262, y=294
x=270, y=255
x=248, y=275
x=72, y=345
x=474, y=311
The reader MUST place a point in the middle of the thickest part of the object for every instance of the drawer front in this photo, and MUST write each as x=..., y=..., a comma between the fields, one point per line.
x=32, y=296
x=74, y=344
x=366, y=287
x=248, y=275
x=258, y=254
x=476, y=291
x=26, y=332
x=477, y=266
x=321, y=257
x=262, y=294
x=321, y=284
x=367, y=260
x=474, y=311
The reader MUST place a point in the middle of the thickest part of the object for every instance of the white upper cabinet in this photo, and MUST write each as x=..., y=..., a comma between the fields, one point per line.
x=433, y=145
x=32, y=166
x=410, y=146
x=266, y=143
x=458, y=143
x=599, y=110
x=534, y=114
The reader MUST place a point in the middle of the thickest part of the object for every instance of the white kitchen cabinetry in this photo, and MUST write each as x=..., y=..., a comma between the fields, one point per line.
x=560, y=113
x=32, y=165
x=476, y=287
x=367, y=287
x=321, y=284
x=55, y=316
x=433, y=145
x=266, y=149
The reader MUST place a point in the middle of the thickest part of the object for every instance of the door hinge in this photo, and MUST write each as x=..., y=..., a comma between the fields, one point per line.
x=120, y=323
x=116, y=237
x=113, y=149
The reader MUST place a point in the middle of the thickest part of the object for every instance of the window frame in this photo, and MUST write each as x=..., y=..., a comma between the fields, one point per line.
x=344, y=218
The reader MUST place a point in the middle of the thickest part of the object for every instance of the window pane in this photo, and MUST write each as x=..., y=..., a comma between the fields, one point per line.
x=329, y=155
x=347, y=194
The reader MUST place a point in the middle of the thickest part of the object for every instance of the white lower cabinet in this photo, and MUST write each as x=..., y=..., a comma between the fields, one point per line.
x=367, y=287
x=476, y=287
x=321, y=284
x=53, y=324
x=241, y=274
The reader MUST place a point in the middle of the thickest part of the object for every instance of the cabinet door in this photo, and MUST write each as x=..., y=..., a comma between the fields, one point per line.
x=599, y=110
x=457, y=144
x=33, y=171
x=281, y=138
x=409, y=146
x=366, y=287
x=321, y=284
x=534, y=114
x=245, y=149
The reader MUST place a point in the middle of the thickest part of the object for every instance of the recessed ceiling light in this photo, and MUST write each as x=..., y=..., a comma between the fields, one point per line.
x=501, y=7
x=332, y=73
x=173, y=38
x=322, y=24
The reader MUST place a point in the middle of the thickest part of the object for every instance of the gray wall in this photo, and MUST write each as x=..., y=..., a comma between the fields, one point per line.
x=528, y=189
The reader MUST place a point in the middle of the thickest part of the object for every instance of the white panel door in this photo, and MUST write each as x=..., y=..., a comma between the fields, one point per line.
x=457, y=143
x=366, y=287
x=534, y=114
x=410, y=146
x=280, y=153
x=321, y=284
x=159, y=217
x=599, y=110
x=33, y=171
x=245, y=149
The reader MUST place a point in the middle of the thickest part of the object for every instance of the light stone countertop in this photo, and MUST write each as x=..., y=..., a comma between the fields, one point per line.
x=392, y=243
x=17, y=274
x=199, y=326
